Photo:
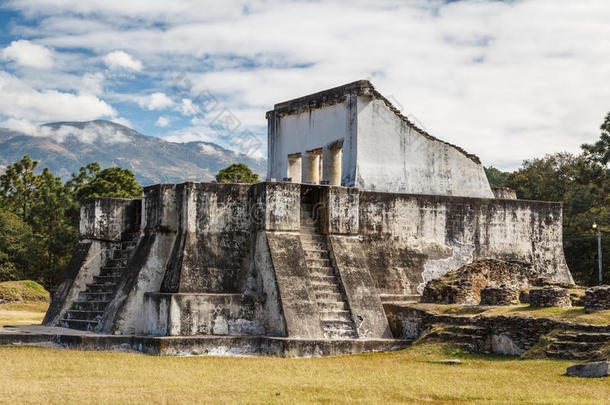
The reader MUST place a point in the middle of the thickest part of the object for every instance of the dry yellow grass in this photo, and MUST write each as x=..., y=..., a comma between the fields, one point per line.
x=35, y=375
x=22, y=313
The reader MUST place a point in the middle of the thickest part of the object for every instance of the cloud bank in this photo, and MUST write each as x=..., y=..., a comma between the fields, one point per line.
x=507, y=80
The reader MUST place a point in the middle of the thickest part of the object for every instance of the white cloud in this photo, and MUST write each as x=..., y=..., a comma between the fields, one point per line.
x=504, y=80
x=90, y=133
x=92, y=83
x=162, y=122
x=20, y=101
x=28, y=54
x=122, y=60
x=155, y=101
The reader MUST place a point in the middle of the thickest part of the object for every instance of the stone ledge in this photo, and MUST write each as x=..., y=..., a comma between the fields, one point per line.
x=35, y=335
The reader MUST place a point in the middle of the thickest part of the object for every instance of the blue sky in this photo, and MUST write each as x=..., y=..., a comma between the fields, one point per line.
x=505, y=80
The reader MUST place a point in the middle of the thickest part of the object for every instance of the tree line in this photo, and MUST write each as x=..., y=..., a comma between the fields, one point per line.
x=39, y=216
x=582, y=183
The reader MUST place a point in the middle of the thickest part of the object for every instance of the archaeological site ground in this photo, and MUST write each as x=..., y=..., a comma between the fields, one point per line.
x=368, y=235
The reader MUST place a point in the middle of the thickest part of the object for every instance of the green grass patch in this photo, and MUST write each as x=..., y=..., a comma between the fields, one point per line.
x=24, y=291
x=574, y=314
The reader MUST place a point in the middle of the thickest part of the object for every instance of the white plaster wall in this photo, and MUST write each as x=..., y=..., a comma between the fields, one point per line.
x=311, y=130
x=393, y=157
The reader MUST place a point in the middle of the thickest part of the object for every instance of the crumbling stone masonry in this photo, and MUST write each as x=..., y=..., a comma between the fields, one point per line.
x=550, y=297
x=465, y=285
x=597, y=298
x=502, y=295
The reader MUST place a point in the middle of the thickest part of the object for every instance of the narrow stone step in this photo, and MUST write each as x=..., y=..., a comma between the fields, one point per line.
x=316, y=254
x=333, y=315
x=318, y=262
x=90, y=305
x=323, y=278
x=101, y=288
x=584, y=337
x=84, y=315
x=561, y=354
x=337, y=323
x=311, y=245
x=121, y=254
x=340, y=334
x=95, y=296
x=121, y=262
x=312, y=237
x=112, y=271
x=321, y=271
x=79, y=324
x=456, y=337
x=325, y=296
x=575, y=346
x=326, y=288
x=106, y=279
x=466, y=329
x=331, y=305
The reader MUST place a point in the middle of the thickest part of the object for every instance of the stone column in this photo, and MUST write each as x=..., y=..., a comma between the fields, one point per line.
x=295, y=167
x=333, y=165
x=311, y=167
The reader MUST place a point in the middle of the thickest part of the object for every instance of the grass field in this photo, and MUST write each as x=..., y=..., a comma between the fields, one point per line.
x=35, y=375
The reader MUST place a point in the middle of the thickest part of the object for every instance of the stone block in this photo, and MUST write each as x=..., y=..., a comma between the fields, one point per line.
x=590, y=370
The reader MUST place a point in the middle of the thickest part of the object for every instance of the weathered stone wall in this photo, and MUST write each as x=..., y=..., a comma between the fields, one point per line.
x=203, y=314
x=412, y=239
x=107, y=218
x=395, y=156
x=212, y=254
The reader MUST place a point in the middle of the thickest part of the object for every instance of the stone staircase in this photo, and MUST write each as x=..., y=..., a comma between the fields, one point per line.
x=577, y=345
x=471, y=338
x=86, y=312
x=334, y=309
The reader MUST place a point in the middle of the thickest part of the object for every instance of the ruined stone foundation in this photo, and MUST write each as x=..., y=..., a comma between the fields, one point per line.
x=280, y=268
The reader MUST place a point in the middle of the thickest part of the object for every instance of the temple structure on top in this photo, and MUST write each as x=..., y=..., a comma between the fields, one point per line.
x=360, y=209
x=352, y=136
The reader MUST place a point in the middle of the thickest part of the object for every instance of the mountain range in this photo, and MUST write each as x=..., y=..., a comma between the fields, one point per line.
x=64, y=147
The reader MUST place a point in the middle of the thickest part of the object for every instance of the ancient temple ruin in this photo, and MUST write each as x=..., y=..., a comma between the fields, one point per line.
x=360, y=208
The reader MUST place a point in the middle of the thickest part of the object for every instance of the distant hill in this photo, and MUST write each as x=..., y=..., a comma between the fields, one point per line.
x=64, y=147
